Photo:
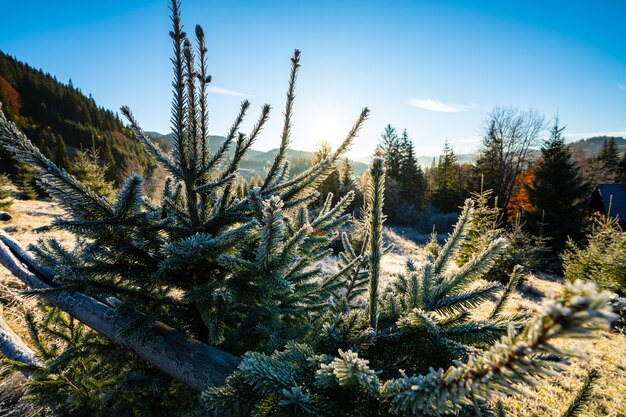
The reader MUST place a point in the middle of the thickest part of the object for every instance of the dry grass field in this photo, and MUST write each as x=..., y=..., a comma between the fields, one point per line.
x=606, y=352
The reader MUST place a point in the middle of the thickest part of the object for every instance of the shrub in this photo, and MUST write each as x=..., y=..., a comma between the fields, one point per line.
x=26, y=181
x=602, y=260
x=483, y=229
x=5, y=192
x=86, y=168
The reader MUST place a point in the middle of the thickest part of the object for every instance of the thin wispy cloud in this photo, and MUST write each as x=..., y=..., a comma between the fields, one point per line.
x=225, y=92
x=621, y=87
x=436, y=105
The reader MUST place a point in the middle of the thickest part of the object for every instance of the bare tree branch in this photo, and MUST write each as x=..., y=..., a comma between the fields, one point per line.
x=510, y=137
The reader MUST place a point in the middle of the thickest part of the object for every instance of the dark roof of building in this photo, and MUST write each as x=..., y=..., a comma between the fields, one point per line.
x=615, y=196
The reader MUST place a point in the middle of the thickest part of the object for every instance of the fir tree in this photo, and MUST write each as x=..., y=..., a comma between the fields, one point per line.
x=609, y=155
x=5, y=193
x=239, y=274
x=423, y=325
x=391, y=148
x=484, y=228
x=349, y=184
x=85, y=167
x=557, y=194
x=25, y=180
x=412, y=181
x=603, y=257
x=447, y=194
x=332, y=183
x=347, y=174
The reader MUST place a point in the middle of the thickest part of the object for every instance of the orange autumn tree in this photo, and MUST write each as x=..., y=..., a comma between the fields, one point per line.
x=10, y=97
x=520, y=201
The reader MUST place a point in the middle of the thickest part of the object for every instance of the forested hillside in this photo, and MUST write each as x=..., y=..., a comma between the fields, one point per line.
x=594, y=145
x=59, y=119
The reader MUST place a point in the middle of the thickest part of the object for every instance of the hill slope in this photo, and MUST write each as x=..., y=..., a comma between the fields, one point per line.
x=59, y=118
x=592, y=146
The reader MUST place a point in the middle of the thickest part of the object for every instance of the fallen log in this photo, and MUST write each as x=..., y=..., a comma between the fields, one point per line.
x=14, y=348
x=194, y=363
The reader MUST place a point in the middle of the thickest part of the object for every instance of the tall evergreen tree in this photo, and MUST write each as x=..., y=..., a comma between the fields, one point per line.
x=483, y=229
x=349, y=185
x=346, y=174
x=609, y=156
x=557, y=195
x=447, y=193
x=26, y=181
x=389, y=144
x=390, y=150
x=412, y=181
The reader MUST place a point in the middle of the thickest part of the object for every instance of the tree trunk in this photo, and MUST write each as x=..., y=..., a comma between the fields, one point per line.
x=187, y=360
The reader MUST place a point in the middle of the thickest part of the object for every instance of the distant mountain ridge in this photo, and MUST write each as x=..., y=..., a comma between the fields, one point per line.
x=256, y=161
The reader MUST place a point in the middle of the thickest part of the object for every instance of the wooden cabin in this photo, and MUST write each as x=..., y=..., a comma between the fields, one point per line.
x=610, y=196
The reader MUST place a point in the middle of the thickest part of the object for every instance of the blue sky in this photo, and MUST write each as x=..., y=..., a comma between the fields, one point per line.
x=435, y=68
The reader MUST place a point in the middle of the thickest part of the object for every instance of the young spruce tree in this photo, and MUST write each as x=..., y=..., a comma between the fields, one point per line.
x=5, y=193
x=242, y=275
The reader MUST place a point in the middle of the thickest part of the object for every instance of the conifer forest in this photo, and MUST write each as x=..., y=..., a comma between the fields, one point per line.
x=193, y=272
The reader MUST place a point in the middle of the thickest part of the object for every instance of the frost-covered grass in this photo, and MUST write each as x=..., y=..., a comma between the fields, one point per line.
x=607, y=353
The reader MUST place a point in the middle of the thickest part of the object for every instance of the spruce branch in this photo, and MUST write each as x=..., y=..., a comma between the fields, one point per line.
x=150, y=147
x=179, y=133
x=328, y=219
x=512, y=360
x=203, y=81
x=347, y=142
x=517, y=276
x=218, y=157
x=279, y=160
x=348, y=371
x=455, y=240
x=583, y=396
x=192, y=118
x=273, y=230
x=243, y=146
x=448, y=287
x=375, y=201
